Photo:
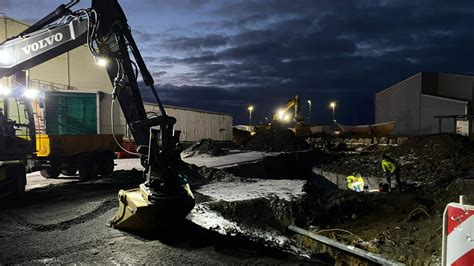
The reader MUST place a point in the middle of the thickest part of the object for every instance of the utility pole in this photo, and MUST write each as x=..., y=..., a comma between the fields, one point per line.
x=250, y=108
x=333, y=106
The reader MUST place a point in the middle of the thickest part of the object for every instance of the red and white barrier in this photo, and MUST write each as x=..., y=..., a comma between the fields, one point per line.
x=458, y=234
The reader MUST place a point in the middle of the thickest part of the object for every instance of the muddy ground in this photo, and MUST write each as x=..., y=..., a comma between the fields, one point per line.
x=66, y=223
x=406, y=226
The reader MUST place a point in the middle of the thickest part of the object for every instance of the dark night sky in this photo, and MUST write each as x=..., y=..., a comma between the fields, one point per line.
x=225, y=55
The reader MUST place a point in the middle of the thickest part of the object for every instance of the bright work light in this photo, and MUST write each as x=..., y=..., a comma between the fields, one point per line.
x=4, y=91
x=101, y=61
x=31, y=93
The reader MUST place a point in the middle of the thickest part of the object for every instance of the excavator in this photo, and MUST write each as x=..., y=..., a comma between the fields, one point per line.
x=165, y=197
x=282, y=116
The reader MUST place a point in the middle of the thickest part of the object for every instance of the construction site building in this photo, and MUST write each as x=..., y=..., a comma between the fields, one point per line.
x=428, y=103
x=76, y=71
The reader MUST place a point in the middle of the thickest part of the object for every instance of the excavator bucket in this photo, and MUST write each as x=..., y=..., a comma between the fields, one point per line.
x=136, y=213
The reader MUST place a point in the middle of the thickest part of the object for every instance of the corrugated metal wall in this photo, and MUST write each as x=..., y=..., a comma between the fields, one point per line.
x=198, y=124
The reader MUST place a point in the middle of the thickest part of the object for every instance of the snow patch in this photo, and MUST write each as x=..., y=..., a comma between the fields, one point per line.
x=259, y=188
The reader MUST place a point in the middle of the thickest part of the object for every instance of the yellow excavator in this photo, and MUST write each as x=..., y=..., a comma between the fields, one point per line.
x=165, y=198
x=283, y=116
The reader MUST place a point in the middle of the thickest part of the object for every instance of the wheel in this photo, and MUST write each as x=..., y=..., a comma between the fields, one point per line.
x=50, y=172
x=88, y=168
x=69, y=171
x=106, y=163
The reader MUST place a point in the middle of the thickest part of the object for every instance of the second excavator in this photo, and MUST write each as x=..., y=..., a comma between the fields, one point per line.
x=282, y=116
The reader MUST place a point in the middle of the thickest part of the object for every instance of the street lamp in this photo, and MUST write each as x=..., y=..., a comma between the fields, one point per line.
x=250, y=108
x=333, y=106
x=309, y=104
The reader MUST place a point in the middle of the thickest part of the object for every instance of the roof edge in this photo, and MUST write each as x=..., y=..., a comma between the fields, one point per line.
x=189, y=109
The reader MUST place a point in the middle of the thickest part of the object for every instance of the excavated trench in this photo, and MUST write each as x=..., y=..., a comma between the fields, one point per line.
x=259, y=200
x=295, y=165
x=282, y=190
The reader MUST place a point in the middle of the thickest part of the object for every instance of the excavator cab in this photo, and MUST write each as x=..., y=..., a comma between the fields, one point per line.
x=17, y=139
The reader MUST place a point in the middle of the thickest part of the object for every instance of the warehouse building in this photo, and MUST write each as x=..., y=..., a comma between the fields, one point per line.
x=75, y=74
x=428, y=103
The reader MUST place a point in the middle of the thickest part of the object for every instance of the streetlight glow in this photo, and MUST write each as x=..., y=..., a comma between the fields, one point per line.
x=250, y=108
x=333, y=106
x=309, y=105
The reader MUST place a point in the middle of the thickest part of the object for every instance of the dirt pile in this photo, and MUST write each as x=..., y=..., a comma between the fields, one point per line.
x=204, y=146
x=276, y=140
x=241, y=137
x=433, y=159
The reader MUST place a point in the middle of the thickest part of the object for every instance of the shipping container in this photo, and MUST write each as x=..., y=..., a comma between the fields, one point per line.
x=68, y=134
x=70, y=113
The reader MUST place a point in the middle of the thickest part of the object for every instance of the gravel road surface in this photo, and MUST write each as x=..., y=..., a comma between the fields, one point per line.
x=64, y=221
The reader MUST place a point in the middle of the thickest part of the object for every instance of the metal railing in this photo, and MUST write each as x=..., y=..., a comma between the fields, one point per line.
x=50, y=86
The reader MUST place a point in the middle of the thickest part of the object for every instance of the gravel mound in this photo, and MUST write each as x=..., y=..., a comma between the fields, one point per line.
x=204, y=146
x=276, y=140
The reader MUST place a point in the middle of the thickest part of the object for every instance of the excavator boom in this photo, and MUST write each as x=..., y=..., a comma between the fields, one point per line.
x=104, y=29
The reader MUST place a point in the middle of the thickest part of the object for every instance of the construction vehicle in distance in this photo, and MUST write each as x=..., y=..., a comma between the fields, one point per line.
x=282, y=116
x=165, y=197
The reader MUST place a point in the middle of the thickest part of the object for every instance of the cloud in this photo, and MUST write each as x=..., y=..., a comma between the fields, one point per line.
x=195, y=43
x=224, y=55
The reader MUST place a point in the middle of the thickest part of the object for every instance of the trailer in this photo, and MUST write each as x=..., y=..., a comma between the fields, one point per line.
x=68, y=138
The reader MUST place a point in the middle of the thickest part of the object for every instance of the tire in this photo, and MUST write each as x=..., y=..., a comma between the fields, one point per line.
x=50, y=172
x=88, y=167
x=70, y=171
x=106, y=163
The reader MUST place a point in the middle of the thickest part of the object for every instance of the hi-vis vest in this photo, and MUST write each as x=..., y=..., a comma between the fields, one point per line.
x=388, y=166
x=355, y=183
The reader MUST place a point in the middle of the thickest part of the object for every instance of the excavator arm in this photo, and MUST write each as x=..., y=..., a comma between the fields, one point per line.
x=281, y=117
x=293, y=102
x=104, y=29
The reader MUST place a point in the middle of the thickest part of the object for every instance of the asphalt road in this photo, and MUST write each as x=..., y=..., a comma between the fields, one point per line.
x=64, y=221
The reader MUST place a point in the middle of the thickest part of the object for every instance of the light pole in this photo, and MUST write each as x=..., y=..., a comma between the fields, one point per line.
x=250, y=108
x=333, y=106
x=309, y=116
